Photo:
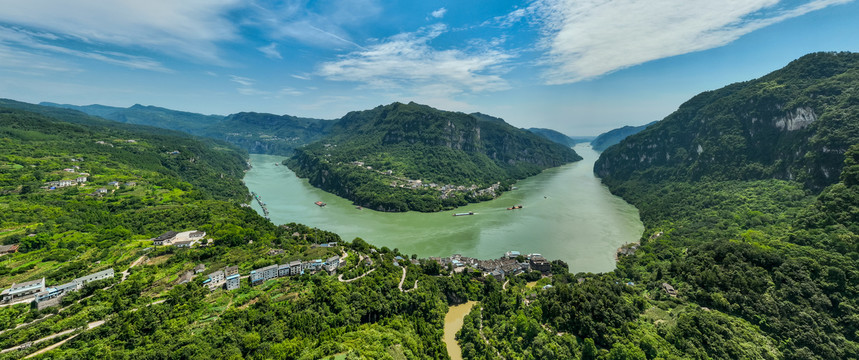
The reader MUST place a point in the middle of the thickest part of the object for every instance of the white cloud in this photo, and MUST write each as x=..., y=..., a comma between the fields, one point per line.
x=247, y=87
x=324, y=25
x=39, y=42
x=243, y=81
x=511, y=18
x=181, y=28
x=301, y=76
x=438, y=14
x=588, y=38
x=408, y=60
x=270, y=51
x=289, y=92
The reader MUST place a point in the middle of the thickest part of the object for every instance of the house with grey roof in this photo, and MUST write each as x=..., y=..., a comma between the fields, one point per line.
x=283, y=270
x=233, y=282
x=24, y=289
x=231, y=270
x=295, y=267
x=101, y=275
x=332, y=263
x=165, y=238
x=260, y=275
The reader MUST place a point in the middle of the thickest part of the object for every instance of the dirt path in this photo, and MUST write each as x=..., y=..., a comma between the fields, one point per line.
x=400, y=286
x=91, y=325
x=340, y=278
x=504, y=286
x=135, y=263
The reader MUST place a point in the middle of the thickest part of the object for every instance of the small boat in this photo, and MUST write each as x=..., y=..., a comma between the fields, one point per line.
x=276, y=164
x=515, y=207
x=321, y=204
x=463, y=214
x=359, y=207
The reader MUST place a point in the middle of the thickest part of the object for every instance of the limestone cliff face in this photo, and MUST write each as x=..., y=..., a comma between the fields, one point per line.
x=795, y=124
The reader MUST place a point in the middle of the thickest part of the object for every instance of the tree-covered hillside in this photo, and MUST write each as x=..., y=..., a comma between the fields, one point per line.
x=152, y=183
x=402, y=157
x=794, y=124
x=257, y=133
x=559, y=137
x=729, y=267
x=611, y=137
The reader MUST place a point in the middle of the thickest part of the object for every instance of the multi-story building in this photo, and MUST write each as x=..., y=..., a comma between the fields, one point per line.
x=233, y=282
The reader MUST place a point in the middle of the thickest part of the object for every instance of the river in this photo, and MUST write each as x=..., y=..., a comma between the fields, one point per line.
x=453, y=321
x=567, y=214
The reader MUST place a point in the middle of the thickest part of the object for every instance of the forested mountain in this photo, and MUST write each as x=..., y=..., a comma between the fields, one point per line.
x=611, y=137
x=794, y=124
x=255, y=132
x=559, y=137
x=143, y=181
x=192, y=123
x=262, y=133
x=733, y=264
x=402, y=157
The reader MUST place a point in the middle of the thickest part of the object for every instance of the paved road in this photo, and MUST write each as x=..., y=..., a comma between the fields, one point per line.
x=340, y=278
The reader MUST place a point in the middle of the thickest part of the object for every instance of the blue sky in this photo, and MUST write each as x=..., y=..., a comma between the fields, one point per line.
x=578, y=66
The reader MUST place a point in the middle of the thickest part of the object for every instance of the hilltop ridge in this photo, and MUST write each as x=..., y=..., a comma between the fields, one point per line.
x=402, y=157
x=795, y=123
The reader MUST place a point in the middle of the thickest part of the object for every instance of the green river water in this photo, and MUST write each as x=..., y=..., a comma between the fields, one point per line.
x=567, y=214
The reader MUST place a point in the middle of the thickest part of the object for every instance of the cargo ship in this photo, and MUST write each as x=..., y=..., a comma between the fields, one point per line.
x=321, y=204
x=463, y=214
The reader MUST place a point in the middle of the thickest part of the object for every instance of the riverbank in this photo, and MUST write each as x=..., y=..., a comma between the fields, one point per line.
x=567, y=214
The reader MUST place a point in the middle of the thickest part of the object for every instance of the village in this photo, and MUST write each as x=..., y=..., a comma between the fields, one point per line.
x=511, y=263
x=74, y=176
x=446, y=189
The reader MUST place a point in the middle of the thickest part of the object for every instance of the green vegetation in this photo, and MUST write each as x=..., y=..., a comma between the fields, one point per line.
x=611, y=137
x=792, y=124
x=255, y=132
x=559, y=137
x=67, y=232
x=762, y=269
x=375, y=158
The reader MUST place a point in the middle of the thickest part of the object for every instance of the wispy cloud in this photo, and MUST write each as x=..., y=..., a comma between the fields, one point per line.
x=289, y=92
x=270, y=51
x=324, y=25
x=301, y=76
x=438, y=14
x=43, y=42
x=584, y=39
x=511, y=18
x=247, y=86
x=409, y=61
x=243, y=81
x=187, y=28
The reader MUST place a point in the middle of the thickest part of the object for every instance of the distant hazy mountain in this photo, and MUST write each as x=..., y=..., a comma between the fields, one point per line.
x=417, y=142
x=609, y=138
x=560, y=138
x=255, y=132
x=795, y=123
x=188, y=122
